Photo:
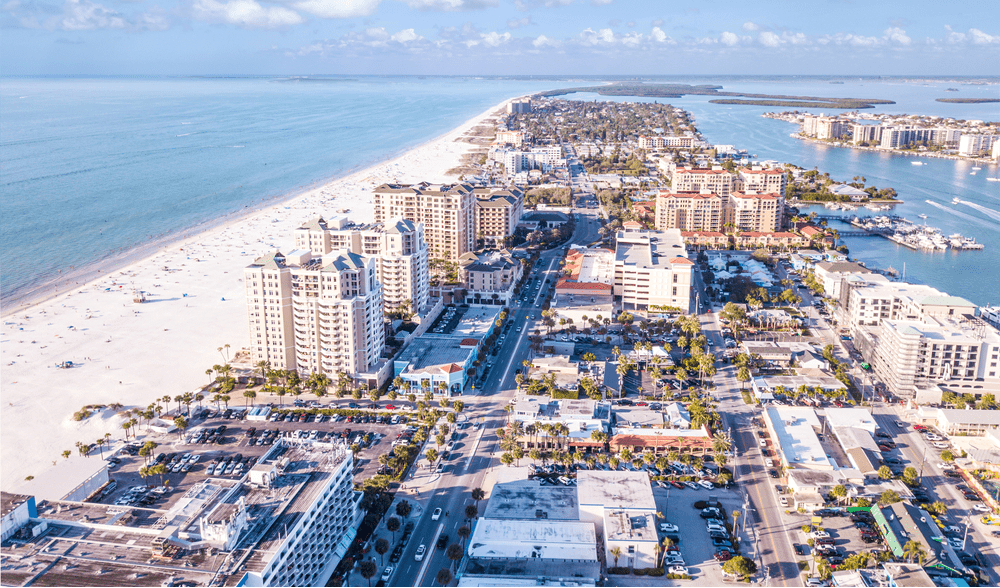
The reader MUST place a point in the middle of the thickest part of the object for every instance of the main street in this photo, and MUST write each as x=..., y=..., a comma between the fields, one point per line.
x=477, y=451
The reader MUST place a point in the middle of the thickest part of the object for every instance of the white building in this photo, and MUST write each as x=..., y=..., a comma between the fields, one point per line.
x=975, y=145
x=622, y=506
x=714, y=181
x=397, y=244
x=795, y=430
x=909, y=355
x=652, y=271
x=16, y=509
x=316, y=314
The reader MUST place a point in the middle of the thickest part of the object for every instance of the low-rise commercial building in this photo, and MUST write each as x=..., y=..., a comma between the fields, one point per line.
x=622, y=506
x=442, y=360
x=953, y=421
x=901, y=522
x=795, y=431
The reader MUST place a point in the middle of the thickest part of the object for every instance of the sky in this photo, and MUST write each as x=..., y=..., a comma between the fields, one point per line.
x=499, y=37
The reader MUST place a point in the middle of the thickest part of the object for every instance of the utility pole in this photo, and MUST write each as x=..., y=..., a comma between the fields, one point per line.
x=922, y=459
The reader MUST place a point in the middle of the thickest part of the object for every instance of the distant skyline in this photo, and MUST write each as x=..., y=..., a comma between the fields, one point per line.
x=498, y=37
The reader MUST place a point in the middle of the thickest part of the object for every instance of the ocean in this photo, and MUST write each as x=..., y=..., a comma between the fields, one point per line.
x=94, y=169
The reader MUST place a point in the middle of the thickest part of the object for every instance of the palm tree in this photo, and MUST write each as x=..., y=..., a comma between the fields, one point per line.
x=455, y=553
x=392, y=525
x=914, y=549
x=616, y=552
x=444, y=576
x=463, y=532
x=477, y=495
x=667, y=543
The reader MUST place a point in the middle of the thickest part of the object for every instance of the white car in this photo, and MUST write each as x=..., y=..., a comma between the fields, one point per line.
x=678, y=570
x=946, y=466
x=668, y=528
x=436, y=515
x=386, y=573
x=940, y=445
x=420, y=552
x=819, y=535
x=980, y=507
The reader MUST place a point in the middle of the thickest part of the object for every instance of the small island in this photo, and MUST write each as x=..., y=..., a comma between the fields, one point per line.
x=968, y=100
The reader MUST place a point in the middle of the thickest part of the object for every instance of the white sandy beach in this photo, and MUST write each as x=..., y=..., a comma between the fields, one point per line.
x=135, y=353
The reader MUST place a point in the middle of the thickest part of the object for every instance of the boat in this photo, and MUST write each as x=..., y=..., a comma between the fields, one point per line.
x=976, y=168
x=922, y=215
x=972, y=173
x=917, y=163
x=956, y=200
x=993, y=179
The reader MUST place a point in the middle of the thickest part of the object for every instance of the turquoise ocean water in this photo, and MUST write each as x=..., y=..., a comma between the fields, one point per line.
x=91, y=169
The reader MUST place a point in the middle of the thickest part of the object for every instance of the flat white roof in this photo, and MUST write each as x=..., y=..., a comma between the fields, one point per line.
x=511, y=539
x=794, y=427
x=619, y=490
x=851, y=417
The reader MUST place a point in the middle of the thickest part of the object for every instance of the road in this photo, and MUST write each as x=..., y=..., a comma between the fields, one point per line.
x=477, y=450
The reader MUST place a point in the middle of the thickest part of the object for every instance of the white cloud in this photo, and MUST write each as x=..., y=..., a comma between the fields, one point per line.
x=81, y=15
x=591, y=37
x=658, y=35
x=449, y=5
x=796, y=38
x=751, y=26
x=769, y=39
x=406, y=36
x=980, y=38
x=246, y=13
x=377, y=33
x=601, y=2
x=632, y=39
x=728, y=38
x=542, y=41
x=337, y=8
x=493, y=39
x=897, y=35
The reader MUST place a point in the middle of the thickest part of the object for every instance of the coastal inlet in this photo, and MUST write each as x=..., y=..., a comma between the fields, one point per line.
x=917, y=237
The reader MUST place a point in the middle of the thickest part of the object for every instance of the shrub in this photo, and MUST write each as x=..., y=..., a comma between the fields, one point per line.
x=618, y=571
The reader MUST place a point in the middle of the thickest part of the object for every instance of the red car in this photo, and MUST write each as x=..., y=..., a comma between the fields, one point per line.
x=723, y=555
x=919, y=427
x=678, y=485
x=390, y=407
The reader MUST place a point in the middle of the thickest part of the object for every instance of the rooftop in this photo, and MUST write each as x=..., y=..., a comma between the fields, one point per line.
x=614, y=489
x=516, y=539
x=795, y=429
x=630, y=525
x=530, y=500
x=651, y=249
x=8, y=502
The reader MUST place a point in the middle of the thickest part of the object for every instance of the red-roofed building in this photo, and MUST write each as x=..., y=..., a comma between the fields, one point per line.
x=716, y=180
x=754, y=239
x=690, y=211
x=810, y=231
x=662, y=441
x=763, y=181
x=756, y=212
x=586, y=286
x=645, y=209
x=705, y=238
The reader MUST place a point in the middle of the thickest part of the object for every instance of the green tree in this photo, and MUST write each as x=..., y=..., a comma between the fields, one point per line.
x=885, y=473
x=740, y=566
x=616, y=552
x=910, y=475
x=947, y=455
x=937, y=507
x=914, y=550
x=839, y=492
x=368, y=570
x=889, y=497
x=392, y=525
x=381, y=548
x=444, y=576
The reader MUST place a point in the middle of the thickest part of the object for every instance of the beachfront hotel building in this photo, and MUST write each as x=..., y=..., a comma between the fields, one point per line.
x=398, y=245
x=755, y=212
x=319, y=314
x=447, y=212
x=497, y=213
x=652, y=271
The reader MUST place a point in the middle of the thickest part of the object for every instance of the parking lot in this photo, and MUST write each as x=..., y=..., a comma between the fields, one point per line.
x=216, y=446
x=695, y=544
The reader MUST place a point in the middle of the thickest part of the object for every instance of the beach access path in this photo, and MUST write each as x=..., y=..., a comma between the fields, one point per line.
x=133, y=354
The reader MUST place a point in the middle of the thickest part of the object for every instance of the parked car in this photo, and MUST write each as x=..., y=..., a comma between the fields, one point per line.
x=436, y=514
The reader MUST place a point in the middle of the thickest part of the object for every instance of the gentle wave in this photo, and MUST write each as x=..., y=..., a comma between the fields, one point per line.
x=987, y=211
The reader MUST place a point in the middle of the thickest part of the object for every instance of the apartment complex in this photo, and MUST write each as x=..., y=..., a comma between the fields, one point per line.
x=652, y=271
x=690, y=211
x=864, y=300
x=520, y=160
x=825, y=127
x=515, y=138
x=909, y=355
x=315, y=314
x=662, y=142
x=498, y=212
x=706, y=211
x=759, y=180
x=714, y=181
x=398, y=245
x=489, y=278
x=973, y=145
x=447, y=212
x=519, y=106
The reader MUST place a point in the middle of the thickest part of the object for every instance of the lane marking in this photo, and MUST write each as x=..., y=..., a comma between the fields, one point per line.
x=428, y=551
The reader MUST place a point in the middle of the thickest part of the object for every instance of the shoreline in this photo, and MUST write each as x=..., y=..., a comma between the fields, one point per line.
x=82, y=277
x=135, y=354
